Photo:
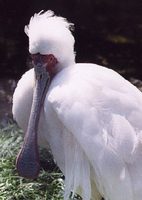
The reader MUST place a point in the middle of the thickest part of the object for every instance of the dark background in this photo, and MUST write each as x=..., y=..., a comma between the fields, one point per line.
x=107, y=32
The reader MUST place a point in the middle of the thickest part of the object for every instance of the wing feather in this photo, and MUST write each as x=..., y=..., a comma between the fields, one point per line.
x=98, y=116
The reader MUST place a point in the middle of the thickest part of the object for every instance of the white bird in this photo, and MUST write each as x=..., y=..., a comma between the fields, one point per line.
x=90, y=117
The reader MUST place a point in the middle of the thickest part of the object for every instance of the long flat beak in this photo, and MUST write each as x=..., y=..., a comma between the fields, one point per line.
x=27, y=162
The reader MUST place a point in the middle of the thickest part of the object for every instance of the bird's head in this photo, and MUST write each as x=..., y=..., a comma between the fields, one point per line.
x=51, y=46
x=50, y=37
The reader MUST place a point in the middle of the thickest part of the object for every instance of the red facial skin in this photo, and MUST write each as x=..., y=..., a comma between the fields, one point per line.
x=48, y=59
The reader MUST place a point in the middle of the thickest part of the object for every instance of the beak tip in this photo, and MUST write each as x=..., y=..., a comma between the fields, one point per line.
x=27, y=166
x=26, y=171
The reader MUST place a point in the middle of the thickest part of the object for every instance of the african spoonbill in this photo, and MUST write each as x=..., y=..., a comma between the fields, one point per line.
x=89, y=116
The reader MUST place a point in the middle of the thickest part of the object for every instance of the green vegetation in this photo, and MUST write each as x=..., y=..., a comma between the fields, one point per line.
x=48, y=186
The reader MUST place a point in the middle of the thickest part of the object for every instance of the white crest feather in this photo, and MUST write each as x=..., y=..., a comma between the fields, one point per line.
x=51, y=34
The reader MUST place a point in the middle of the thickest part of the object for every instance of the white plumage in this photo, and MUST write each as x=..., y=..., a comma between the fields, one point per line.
x=91, y=118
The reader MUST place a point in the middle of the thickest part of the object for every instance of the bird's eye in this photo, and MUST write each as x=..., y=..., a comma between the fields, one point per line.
x=51, y=57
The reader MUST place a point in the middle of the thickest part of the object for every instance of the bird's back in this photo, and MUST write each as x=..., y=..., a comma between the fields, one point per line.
x=101, y=111
x=92, y=121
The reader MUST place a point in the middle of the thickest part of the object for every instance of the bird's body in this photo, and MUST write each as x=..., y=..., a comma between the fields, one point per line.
x=91, y=120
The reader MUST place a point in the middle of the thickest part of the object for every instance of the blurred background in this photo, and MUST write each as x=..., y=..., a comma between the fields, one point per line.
x=107, y=32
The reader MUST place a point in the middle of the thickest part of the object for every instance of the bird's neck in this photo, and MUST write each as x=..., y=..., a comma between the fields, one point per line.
x=65, y=64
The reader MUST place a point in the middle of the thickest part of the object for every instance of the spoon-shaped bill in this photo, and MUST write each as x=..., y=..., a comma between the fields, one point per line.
x=28, y=158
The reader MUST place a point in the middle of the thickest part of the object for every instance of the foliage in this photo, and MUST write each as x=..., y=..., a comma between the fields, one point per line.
x=48, y=186
x=12, y=187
